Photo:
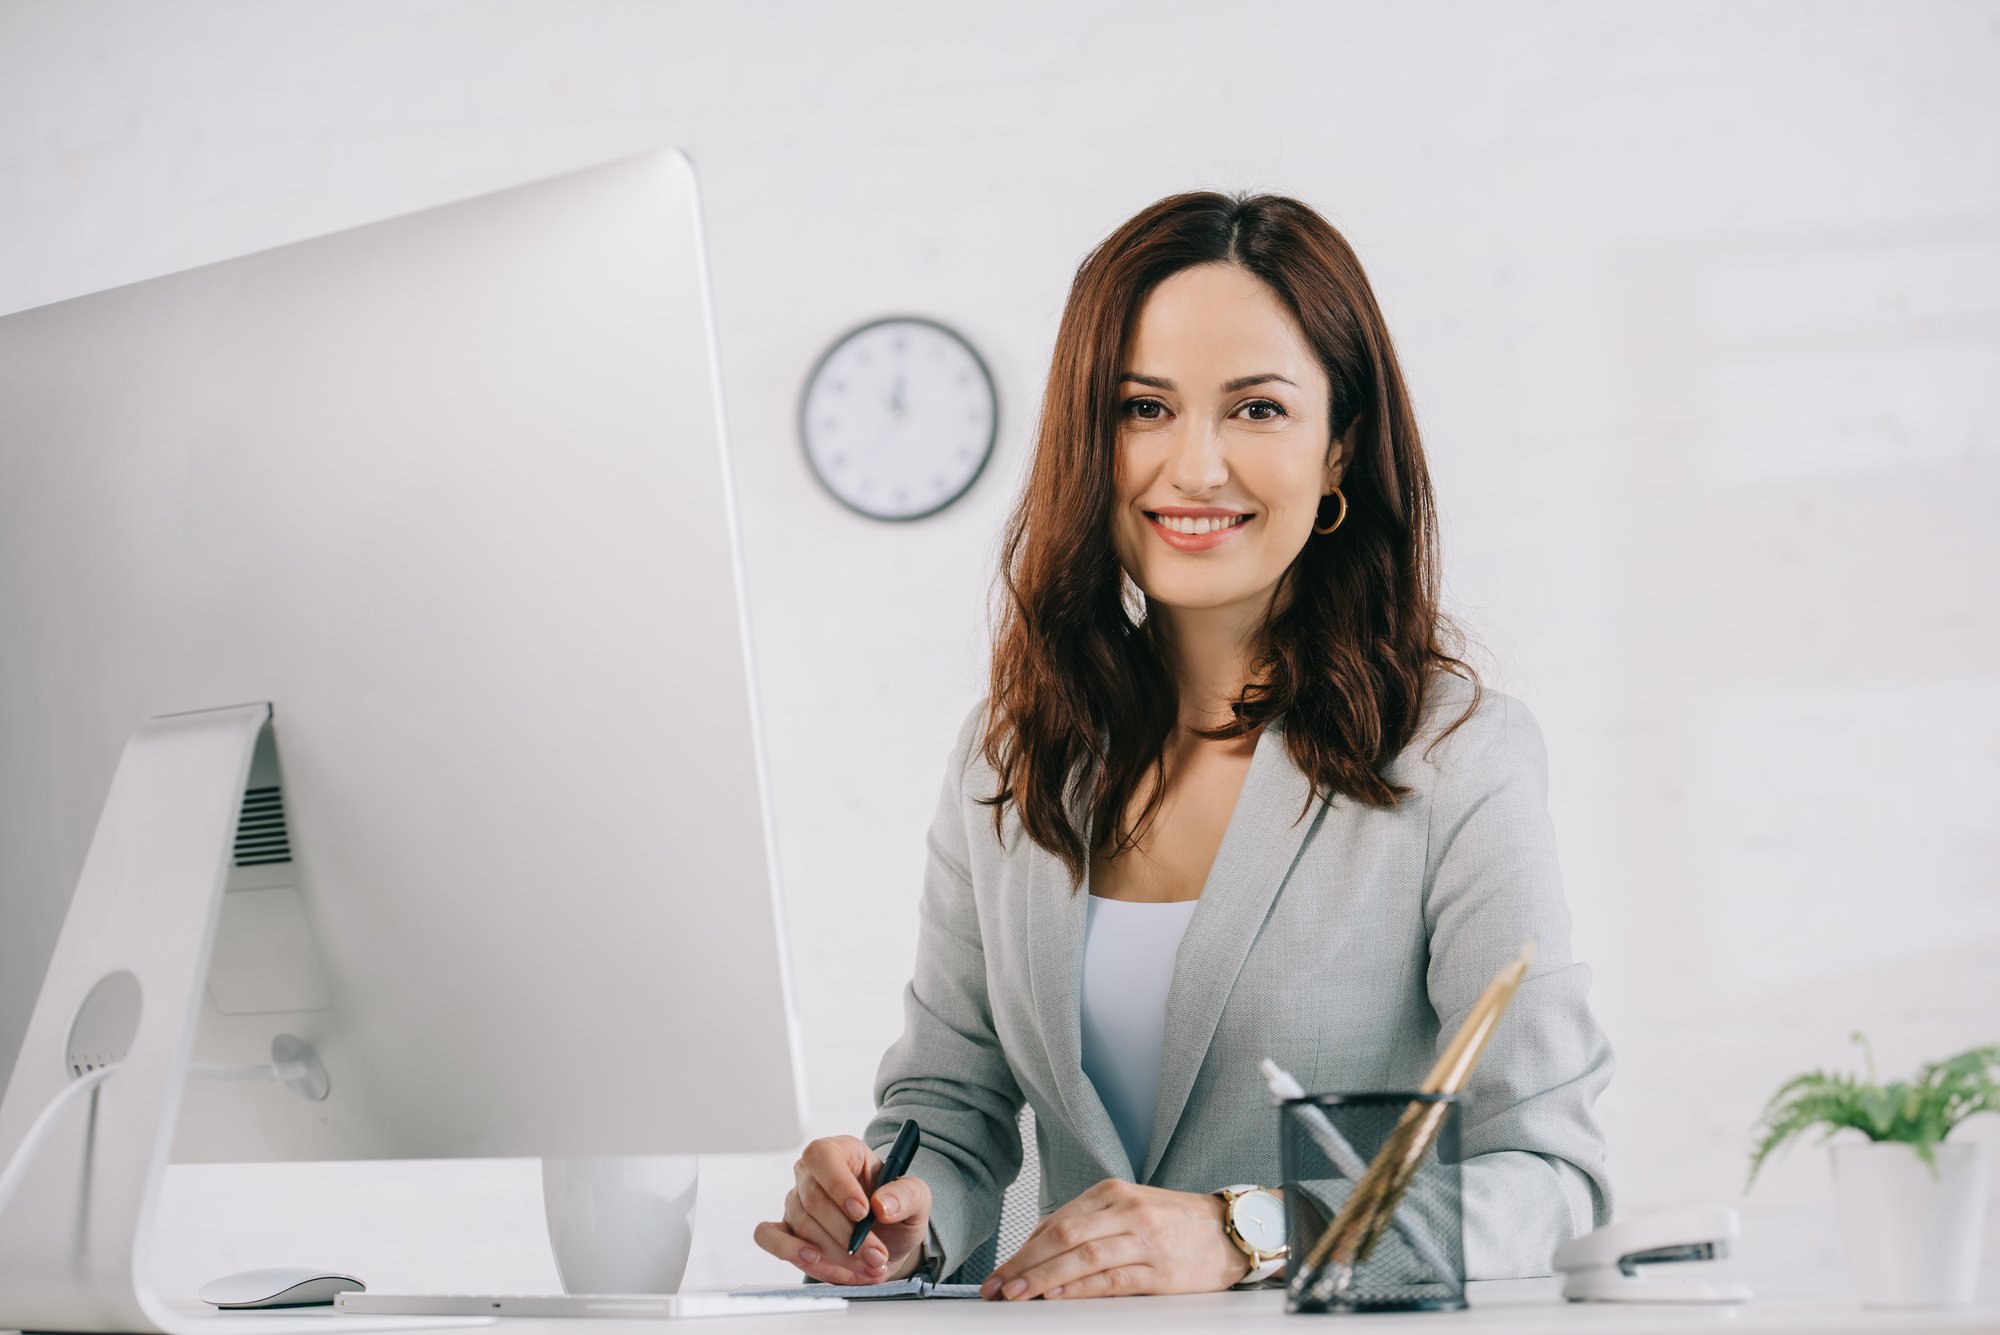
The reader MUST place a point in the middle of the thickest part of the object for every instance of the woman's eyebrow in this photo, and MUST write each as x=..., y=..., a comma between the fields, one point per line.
x=1241, y=382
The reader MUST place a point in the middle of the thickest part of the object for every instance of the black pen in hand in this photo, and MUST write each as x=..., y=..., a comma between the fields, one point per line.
x=894, y=1165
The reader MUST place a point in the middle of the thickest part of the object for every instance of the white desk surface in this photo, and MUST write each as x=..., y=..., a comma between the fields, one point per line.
x=1519, y=1307
x=1522, y=1306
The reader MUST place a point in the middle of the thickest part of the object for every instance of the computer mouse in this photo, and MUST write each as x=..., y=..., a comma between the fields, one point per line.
x=283, y=1286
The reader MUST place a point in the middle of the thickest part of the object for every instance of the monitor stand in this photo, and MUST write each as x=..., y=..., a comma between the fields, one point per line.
x=125, y=986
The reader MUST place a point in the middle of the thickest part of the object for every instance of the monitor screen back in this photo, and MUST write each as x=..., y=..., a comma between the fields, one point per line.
x=451, y=491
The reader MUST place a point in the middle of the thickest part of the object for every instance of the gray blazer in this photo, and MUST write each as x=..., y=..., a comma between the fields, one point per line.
x=1346, y=945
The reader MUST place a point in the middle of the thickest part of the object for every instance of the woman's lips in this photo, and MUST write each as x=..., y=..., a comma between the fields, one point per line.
x=1197, y=542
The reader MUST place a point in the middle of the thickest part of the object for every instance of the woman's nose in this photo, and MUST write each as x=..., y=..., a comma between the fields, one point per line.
x=1197, y=463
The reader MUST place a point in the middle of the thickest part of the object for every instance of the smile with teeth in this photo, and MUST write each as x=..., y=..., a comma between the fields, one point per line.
x=1196, y=526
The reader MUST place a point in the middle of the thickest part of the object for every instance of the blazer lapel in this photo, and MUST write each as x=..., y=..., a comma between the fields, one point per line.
x=1265, y=832
x=1057, y=918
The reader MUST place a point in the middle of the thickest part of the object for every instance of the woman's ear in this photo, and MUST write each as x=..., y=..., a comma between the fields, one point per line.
x=1337, y=458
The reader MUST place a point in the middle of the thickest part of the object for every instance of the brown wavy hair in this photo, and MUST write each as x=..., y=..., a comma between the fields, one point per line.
x=1081, y=700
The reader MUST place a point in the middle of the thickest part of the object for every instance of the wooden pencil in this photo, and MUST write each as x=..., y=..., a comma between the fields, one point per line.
x=1329, y=1266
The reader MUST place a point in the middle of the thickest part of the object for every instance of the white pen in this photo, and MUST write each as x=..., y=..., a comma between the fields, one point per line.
x=1351, y=1165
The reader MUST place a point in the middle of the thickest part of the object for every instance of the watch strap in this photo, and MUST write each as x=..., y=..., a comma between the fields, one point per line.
x=1260, y=1274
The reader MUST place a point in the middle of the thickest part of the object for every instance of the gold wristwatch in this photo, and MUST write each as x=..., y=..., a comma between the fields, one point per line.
x=1254, y=1219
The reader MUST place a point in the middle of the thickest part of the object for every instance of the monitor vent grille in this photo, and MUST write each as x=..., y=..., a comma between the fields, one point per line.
x=260, y=831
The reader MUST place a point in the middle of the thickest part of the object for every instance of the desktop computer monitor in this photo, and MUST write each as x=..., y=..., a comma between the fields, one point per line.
x=378, y=677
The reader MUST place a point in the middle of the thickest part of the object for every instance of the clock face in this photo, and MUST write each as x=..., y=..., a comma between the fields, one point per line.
x=898, y=418
x=1260, y=1218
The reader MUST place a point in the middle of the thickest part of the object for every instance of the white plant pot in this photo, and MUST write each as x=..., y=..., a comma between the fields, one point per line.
x=621, y=1225
x=1912, y=1240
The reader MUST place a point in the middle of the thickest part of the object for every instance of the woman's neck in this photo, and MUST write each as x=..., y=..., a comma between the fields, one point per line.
x=1210, y=651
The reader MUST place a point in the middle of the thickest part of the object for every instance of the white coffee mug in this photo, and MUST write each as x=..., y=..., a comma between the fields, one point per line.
x=621, y=1225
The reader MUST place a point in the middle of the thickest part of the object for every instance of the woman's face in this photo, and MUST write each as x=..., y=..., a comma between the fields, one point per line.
x=1222, y=411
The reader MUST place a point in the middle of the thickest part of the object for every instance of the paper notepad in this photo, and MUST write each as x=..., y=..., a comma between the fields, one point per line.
x=916, y=1286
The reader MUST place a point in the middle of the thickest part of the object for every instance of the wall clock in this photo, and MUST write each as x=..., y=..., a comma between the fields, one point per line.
x=898, y=417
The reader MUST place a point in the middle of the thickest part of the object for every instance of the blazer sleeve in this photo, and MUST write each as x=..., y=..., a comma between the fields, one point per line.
x=1534, y=1154
x=947, y=1070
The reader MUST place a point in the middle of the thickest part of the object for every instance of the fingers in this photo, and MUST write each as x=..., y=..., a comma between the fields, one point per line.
x=837, y=1164
x=812, y=1255
x=906, y=1200
x=1087, y=1216
x=867, y=1265
x=1119, y=1281
x=819, y=1207
x=829, y=1200
x=829, y=1197
x=776, y=1239
x=782, y=1243
x=1107, y=1264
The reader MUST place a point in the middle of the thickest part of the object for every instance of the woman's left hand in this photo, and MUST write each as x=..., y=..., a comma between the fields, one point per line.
x=1120, y=1238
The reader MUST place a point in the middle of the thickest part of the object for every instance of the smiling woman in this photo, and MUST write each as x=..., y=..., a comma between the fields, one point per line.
x=1257, y=448
x=1221, y=368
x=1286, y=846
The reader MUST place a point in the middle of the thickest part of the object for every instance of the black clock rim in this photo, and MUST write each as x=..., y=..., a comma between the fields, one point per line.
x=992, y=433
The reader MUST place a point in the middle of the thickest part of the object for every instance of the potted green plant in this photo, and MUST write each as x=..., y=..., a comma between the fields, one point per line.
x=1911, y=1203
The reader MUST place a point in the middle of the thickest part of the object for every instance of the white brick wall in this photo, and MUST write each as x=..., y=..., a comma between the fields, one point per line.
x=1700, y=304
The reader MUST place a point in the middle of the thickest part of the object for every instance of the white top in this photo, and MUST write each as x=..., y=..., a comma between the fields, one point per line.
x=1128, y=965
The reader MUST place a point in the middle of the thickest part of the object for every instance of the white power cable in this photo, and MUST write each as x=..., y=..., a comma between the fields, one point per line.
x=39, y=1129
x=293, y=1066
x=216, y=1071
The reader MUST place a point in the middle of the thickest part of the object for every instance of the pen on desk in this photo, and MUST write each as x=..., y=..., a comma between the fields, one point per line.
x=894, y=1164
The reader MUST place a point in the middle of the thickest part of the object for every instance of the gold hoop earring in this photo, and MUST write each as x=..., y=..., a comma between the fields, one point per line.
x=1343, y=513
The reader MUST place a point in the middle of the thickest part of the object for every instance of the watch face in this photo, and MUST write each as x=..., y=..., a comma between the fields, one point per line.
x=898, y=418
x=1260, y=1218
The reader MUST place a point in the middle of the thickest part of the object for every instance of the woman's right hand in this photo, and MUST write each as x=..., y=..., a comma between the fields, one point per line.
x=833, y=1188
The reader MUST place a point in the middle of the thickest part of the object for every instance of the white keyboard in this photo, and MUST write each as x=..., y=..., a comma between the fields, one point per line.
x=649, y=1306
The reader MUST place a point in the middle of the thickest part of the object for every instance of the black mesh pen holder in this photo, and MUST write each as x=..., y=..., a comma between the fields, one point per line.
x=1417, y=1262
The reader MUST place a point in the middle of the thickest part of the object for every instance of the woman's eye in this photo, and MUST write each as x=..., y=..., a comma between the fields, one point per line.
x=1134, y=407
